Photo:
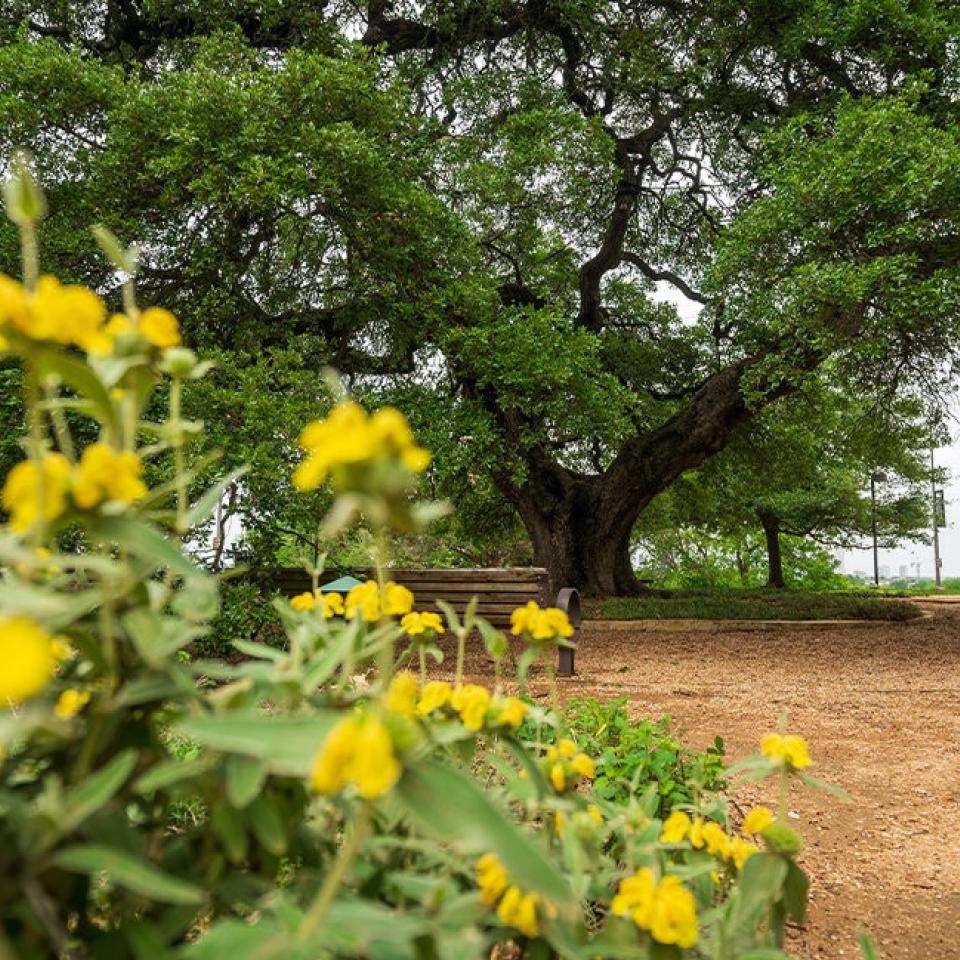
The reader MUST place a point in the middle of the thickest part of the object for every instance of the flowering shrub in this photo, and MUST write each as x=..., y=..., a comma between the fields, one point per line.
x=308, y=815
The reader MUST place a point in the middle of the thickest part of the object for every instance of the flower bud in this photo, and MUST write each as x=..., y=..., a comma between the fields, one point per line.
x=179, y=362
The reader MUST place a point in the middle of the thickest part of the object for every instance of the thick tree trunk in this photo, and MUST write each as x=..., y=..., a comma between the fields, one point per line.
x=580, y=532
x=771, y=531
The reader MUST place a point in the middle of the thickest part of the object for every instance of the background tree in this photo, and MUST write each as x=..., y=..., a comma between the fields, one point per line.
x=485, y=201
x=803, y=471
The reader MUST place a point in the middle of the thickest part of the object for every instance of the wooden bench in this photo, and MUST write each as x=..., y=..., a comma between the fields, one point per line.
x=499, y=591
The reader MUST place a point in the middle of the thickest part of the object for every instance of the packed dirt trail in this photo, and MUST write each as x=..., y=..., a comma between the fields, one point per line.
x=880, y=707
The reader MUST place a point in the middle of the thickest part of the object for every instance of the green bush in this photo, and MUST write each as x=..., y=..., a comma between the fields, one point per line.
x=156, y=806
x=632, y=754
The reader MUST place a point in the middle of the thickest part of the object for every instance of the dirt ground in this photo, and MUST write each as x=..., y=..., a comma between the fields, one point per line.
x=880, y=707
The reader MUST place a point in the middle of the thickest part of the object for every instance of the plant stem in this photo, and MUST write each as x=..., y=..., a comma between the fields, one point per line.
x=423, y=664
x=338, y=872
x=461, y=652
x=176, y=393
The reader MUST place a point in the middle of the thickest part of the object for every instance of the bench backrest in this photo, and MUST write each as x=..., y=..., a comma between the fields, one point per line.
x=499, y=590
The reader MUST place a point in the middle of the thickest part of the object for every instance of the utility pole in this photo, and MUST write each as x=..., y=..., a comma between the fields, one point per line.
x=878, y=476
x=936, y=530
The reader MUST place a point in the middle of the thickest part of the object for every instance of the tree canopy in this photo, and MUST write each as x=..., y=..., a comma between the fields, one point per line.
x=480, y=208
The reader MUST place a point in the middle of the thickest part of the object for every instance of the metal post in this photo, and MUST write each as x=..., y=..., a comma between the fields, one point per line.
x=936, y=531
x=878, y=476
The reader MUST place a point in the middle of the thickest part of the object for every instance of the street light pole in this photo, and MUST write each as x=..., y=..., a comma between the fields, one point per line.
x=878, y=476
x=936, y=531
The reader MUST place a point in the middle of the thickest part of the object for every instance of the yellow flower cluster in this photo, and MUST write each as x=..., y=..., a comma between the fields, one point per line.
x=358, y=752
x=516, y=909
x=402, y=694
x=155, y=324
x=540, y=624
x=329, y=604
x=371, y=603
x=33, y=490
x=70, y=703
x=107, y=474
x=757, y=820
x=786, y=751
x=54, y=312
x=418, y=624
x=73, y=315
x=29, y=655
x=566, y=765
x=666, y=909
x=474, y=704
x=350, y=436
x=707, y=835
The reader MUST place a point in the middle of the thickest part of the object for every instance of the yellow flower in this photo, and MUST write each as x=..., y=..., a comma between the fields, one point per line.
x=786, y=751
x=22, y=493
x=491, y=878
x=634, y=897
x=28, y=658
x=512, y=712
x=518, y=909
x=436, y=694
x=595, y=813
x=303, y=602
x=565, y=749
x=417, y=624
x=365, y=600
x=54, y=312
x=401, y=696
x=666, y=909
x=160, y=327
x=350, y=436
x=583, y=765
x=716, y=839
x=697, y=840
x=332, y=604
x=740, y=850
x=540, y=624
x=395, y=599
x=471, y=702
x=558, y=777
x=674, y=914
x=675, y=827
x=358, y=752
x=107, y=474
x=757, y=820
x=62, y=649
x=70, y=703
x=559, y=821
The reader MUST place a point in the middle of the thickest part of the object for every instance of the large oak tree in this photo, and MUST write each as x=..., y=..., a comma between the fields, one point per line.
x=481, y=205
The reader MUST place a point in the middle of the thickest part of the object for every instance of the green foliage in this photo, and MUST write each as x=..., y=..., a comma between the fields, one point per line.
x=729, y=603
x=479, y=205
x=156, y=805
x=632, y=754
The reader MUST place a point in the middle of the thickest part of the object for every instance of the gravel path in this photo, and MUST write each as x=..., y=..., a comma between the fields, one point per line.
x=880, y=707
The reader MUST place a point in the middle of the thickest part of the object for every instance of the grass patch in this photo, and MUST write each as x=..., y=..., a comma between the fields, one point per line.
x=750, y=605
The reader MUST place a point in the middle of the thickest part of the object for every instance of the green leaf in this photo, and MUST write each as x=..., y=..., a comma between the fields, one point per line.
x=80, y=377
x=245, y=778
x=867, y=947
x=759, y=885
x=88, y=797
x=126, y=870
x=453, y=621
x=228, y=825
x=144, y=542
x=171, y=771
x=265, y=820
x=287, y=745
x=205, y=505
x=795, y=888
x=450, y=806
